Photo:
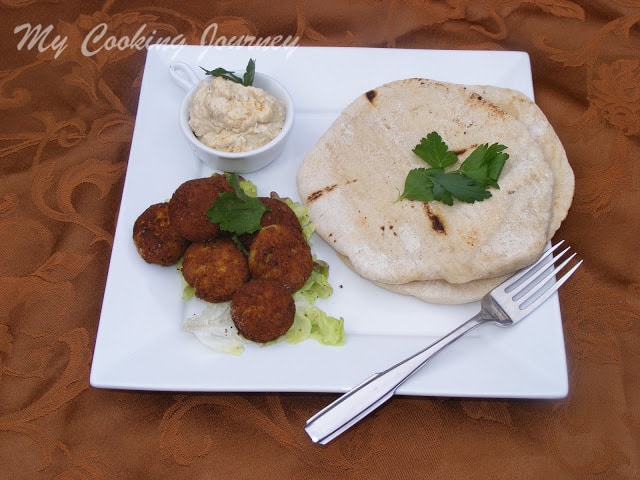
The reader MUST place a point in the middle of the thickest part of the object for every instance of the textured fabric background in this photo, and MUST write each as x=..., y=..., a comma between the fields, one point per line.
x=66, y=120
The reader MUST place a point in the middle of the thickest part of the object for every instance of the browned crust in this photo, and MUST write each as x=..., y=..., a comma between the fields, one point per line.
x=155, y=237
x=262, y=310
x=189, y=203
x=215, y=269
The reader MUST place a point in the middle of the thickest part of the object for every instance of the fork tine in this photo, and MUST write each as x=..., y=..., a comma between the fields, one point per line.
x=528, y=272
x=547, y=289
x=543, y=274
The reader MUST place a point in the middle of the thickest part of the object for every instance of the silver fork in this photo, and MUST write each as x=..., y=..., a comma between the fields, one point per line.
x=505, y=305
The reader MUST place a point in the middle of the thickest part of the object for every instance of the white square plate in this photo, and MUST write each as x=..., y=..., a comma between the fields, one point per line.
x=140, y=342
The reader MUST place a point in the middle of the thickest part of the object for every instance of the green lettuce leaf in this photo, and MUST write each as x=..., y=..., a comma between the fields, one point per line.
x=302, y=212
x=312, y=322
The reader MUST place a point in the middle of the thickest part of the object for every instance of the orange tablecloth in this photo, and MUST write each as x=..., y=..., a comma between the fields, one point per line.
x=67, y=110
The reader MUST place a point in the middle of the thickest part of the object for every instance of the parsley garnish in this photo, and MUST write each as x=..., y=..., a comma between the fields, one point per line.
x=469, y=183
x=235, y=211
x=246, y=79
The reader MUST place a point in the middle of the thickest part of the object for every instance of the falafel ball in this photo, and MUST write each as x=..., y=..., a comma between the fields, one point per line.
x=156, y=238
x=189, y=204
x=215, y=269
x=281, y=253
x=278, y=213
x=262, y=310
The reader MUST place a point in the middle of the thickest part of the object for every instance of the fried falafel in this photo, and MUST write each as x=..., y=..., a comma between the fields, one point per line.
x=215, y=269
x=281, y=253
x=262, y=310
x=189, y=204
x=156, y=238
x=278, y=213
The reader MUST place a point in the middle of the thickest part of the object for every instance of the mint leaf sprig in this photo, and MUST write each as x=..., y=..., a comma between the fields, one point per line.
x=469, y=183
x=246, y=79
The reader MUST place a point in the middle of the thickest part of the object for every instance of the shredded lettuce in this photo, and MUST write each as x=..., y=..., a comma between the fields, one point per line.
x=214, y=328
x=302, y=212
x=325, y=329
x=310, y=321
x=249, y=188
x=317, y=285
x=188, y=292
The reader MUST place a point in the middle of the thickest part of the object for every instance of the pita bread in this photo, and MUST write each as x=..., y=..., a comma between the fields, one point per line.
x=520, y=106
x=352, y=177
x=439, y=291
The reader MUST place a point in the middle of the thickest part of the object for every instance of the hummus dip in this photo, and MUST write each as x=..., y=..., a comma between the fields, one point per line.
x=230, y=117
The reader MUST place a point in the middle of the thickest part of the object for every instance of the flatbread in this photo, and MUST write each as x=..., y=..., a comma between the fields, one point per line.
x=439, y=291
x=526, y=111
x=352, y=177
x=519, y=105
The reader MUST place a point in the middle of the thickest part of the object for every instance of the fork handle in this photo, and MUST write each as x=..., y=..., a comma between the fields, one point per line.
x=364, y=398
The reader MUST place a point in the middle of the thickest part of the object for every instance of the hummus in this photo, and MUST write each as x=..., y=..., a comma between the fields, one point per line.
x=231, y=117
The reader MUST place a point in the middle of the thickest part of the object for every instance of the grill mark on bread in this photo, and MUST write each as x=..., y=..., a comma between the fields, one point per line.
x=312, y=197
x=319, y=193
x=492, y=107
x=436, y=221
x=462, y=150
x=371, y=95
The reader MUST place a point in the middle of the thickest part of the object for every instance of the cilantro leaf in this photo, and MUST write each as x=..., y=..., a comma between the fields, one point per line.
x=469, y=183
x=433, y=150
x=418, y=185
x=485, y=164
x=246, y=79
x=428, y=184
x=235, y=211
x=453, y=184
